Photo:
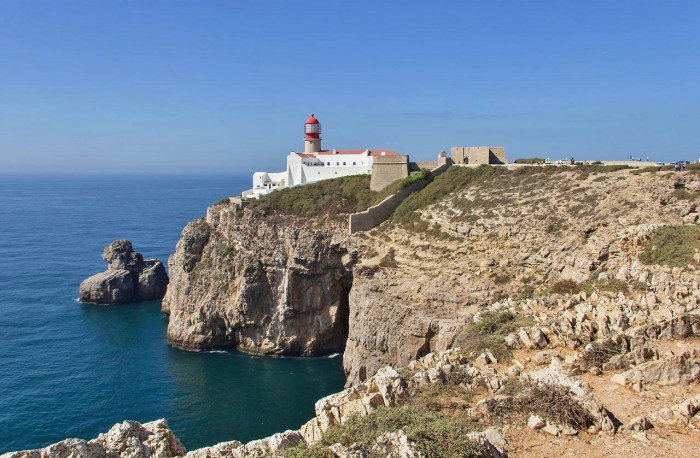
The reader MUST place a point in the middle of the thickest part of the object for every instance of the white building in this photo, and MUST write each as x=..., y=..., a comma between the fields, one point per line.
x=314, y=164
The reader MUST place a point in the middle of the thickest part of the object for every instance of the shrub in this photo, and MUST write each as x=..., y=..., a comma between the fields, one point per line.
x=228, y=250
x=453, y=179
x=600, y=353
x=328, y=197
x=566, y=287
x=674, y=246
x=389, y=259
x=433, y=434
x=530, y=160
x=551, y=402
x=305, y=451
x=489, y=334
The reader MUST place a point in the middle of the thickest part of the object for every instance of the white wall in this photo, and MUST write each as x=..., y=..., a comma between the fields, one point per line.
x=324, y=173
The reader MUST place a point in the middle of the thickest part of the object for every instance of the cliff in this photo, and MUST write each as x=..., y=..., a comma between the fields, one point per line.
x=475, y=236
x=273, y=280
x=260, y=283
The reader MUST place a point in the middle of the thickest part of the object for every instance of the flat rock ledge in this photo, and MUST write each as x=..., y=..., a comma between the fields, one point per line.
x=128, y=278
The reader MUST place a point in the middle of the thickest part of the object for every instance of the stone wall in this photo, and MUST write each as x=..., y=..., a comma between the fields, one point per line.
x=479, y=155
x=386, y=170
x=376, y=215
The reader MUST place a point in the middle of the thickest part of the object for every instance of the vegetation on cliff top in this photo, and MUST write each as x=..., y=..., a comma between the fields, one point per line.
x=434, y=418
x=498, y=178
x=674, y=246
x=328, y=197
x=331, y=197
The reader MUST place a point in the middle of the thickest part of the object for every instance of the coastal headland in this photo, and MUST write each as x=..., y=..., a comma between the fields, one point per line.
x=537, y=311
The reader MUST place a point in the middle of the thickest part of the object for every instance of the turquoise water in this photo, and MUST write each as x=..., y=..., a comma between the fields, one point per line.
x=73, y=370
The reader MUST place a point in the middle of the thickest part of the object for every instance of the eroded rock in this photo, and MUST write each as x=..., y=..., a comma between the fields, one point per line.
x=129, y=278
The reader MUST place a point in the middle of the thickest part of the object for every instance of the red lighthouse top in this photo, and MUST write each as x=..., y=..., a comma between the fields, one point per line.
x=312, y=128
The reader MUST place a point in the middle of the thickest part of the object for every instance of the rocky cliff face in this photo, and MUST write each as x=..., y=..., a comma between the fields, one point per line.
x=513, y=234
x=274, y=284
x=261, y=283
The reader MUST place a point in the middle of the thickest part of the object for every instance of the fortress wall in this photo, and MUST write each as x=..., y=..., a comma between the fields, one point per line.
x=386, y=170
x=376, y=215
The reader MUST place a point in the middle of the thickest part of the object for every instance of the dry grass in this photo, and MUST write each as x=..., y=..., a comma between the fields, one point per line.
x=674, y=246
x=601, y=352
x=551, y=402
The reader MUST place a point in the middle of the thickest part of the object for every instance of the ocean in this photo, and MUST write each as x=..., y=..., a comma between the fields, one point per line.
x=73, y=370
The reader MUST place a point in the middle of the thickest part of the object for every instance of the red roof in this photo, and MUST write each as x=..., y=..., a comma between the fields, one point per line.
x=372, y=152
x=312, y=120
x=306, y=156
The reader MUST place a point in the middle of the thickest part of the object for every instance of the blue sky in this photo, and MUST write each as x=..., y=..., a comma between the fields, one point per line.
x=225, y=86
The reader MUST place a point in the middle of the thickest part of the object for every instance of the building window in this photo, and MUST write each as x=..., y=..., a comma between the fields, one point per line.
x=343, y=163
x=354, y=163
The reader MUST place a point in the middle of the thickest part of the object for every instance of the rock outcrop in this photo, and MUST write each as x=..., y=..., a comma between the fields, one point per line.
x=128, y=278
x=262, y=284
x=129, y=439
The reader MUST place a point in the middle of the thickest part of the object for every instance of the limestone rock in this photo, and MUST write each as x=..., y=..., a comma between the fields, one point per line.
x=678, y=414
x=265, y=285
x=639, y=424
x=153, y=281
x=120, y=255
x=129, y=278
x=674, y=370
x=396, y=444
x=129, y=439
x=535, y=422
x=109, y=287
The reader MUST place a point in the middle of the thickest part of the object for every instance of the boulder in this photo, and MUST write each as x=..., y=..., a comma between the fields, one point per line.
x=120, y=254
x=153, y=281
x=675, y=370
x=128, y=278
x=108, y=287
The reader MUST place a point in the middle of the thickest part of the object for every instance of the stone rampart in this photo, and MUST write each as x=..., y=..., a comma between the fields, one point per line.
x=376, y=215
x=386, y=170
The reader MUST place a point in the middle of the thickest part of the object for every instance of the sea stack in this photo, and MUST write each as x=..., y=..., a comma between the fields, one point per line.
x=128, y=278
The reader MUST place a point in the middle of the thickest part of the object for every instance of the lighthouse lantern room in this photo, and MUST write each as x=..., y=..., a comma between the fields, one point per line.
x=312, y=135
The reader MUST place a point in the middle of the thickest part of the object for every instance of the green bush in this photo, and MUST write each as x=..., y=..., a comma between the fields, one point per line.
x=398, y=185
x=453, y=179
x=530, y=160
x=389, y=259
x=434, y=434
x=566, y=287
x=673, y=246
x=489, y=333
x=328, y=197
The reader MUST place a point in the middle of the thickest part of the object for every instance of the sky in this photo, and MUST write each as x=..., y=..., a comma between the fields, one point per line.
x=209, y=86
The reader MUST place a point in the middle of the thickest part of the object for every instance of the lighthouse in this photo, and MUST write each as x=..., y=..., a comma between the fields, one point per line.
x=312, y=135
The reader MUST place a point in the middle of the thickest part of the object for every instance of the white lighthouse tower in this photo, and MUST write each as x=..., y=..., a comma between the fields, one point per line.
x=312, y=135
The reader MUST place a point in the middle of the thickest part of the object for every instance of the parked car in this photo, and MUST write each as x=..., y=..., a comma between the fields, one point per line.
x=682, y=163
